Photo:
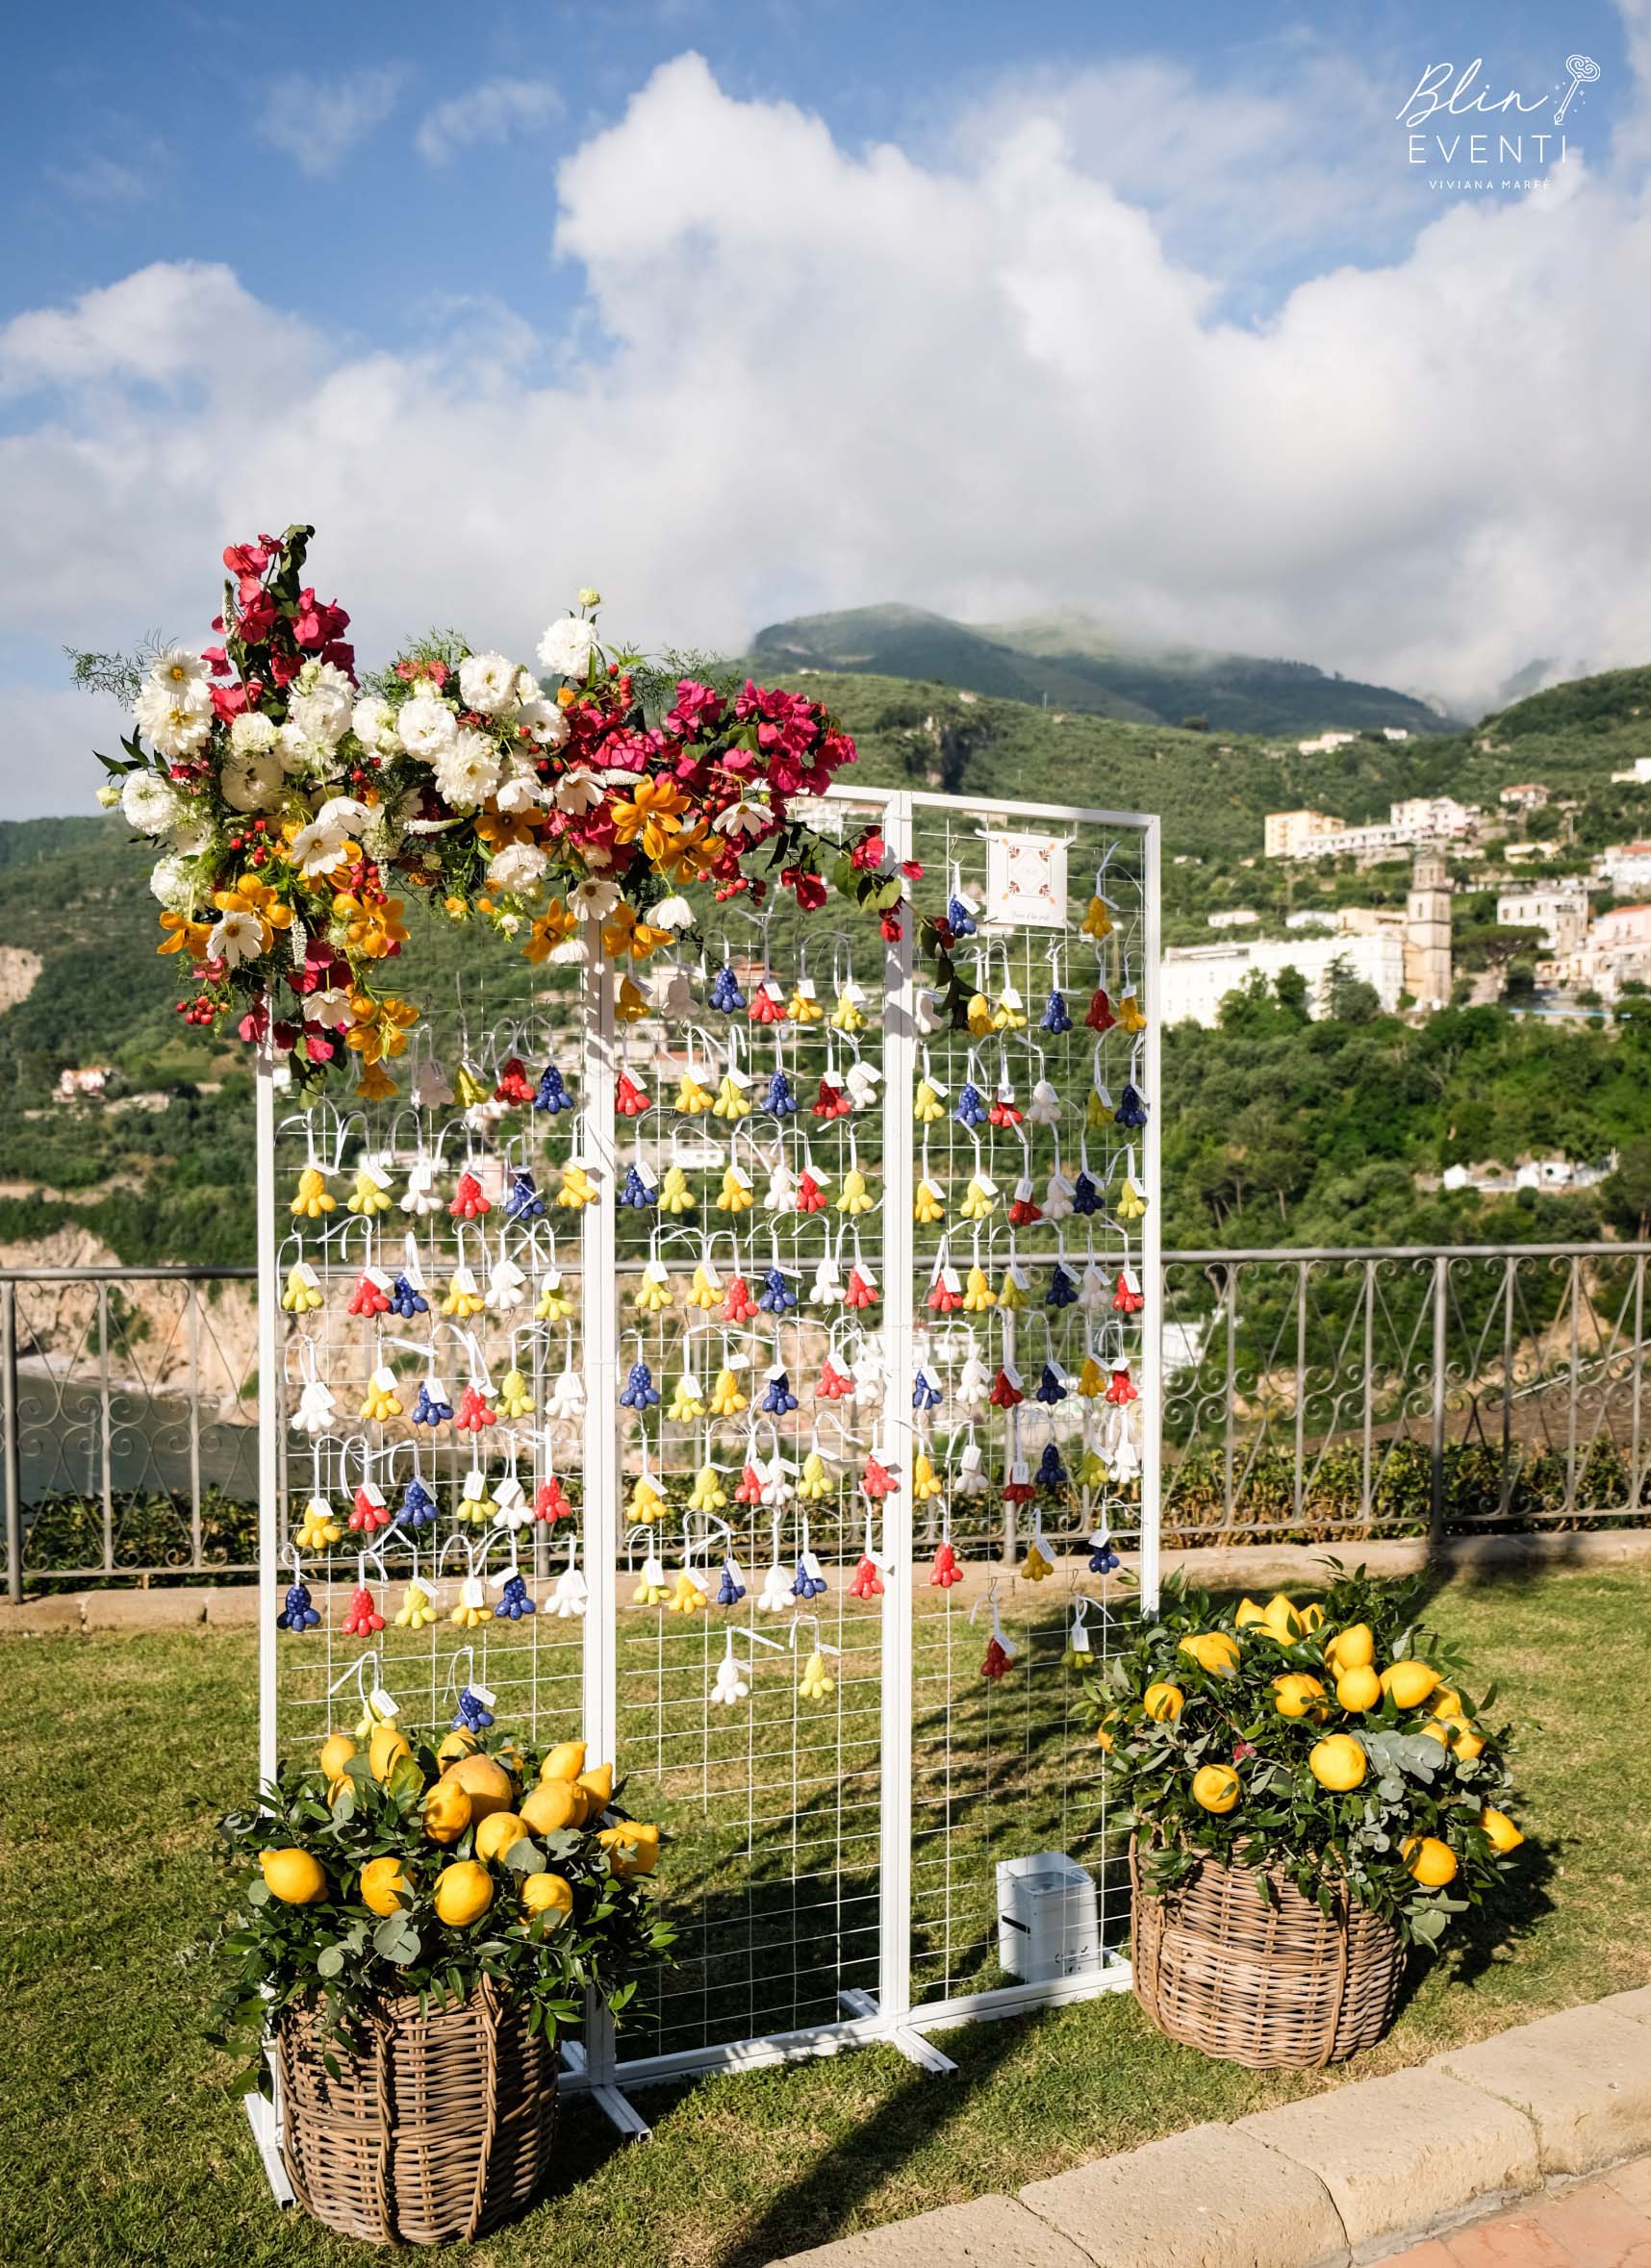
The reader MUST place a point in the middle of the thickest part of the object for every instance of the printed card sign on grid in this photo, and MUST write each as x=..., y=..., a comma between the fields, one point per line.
x=1026, y=881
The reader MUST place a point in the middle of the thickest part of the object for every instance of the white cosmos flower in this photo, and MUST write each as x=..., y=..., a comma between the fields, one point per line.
x=173, y=883
x=426, y=725
x=249, y=782
x=593, y=898
x=321, y=710
x=578, y=790
x=236, y=938
x=320, y=848
x=467, y=771
x=177, y=668
x=150, y=804
x=517, y=867
x=522, y=788
x=567, y=647
x=672, y=913
x=546, y=721
x=488, y=683
x=373, y=724
x=329, y=1009
x=748, y=817
x=177, y=718
x=251, y=733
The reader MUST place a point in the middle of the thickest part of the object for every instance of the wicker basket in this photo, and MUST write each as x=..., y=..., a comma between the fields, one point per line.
x=1277, y=1986
x=441, y=2130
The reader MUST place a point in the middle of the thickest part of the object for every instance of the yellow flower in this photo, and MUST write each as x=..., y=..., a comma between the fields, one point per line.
x=375, y=1085
x=690, y=854
x=553, y=927
x=652, y=814
x=184, y=936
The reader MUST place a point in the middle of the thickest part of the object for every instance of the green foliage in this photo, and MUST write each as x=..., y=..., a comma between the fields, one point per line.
x=340, y=1955
x=1225, y=1714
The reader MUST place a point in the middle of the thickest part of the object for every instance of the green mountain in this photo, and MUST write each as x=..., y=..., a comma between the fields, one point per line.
x=1069, y=661
x=164, y=1179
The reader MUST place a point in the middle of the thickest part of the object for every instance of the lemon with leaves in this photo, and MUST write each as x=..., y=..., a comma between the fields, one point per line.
x=1163, y=1702
x=296, y=1878
x=552, y=1804
x=384, y=1750
x=384, y=1886
x=1352, y=1649
x=464, y=1892
x=546, y=1893
x=1297, y=1694
x=1432, y=1862
x=446, y=1811
x=632, y=1846
x=565, y=1761
x=1215, y=1786
x=1358, y=1689
x=335, y=1753
x=1500, y=1832
x=1337, y=1762
x=1408, y=1683
x=498, y=1831
x=1213, y=1651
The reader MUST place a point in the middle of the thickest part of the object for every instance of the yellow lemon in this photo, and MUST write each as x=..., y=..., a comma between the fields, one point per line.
x=1163, y=1702
x=1103, y=1734
x=1499, y=1830
x=386, y=1749
x=1409, y=1682
x=1430, y=1861
x=446, y=1811
x=1359, y=1688
x=565, y=1761
x=458, y=1743
x=632, y=1848
x=1215, y=1786
x=1337, y=1762
x=384, y=1888
x=1312, y=1615
x=496, y=1833
x=336, y=1754
x=1446, y=1702
x=1352, y=1649
x=546, y=1893
x=464, y=1892
x=1212, y=1651
x=553, y=1803
x=486, y=1783
x=294, y=1877
x=1294, y=1696
x=1464, y=1740
x=1249, y=1612
x=598, y=1787
x=512, y=1760
x=1282, y=1619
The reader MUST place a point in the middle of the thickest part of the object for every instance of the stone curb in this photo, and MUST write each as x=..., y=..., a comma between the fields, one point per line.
x=1212, y=1567
x=1347, y=2175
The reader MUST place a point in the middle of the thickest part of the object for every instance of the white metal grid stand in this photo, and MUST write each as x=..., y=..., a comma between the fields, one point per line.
x=535, y=1685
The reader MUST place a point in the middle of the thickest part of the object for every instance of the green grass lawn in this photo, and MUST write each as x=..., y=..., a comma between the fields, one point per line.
x=121, y=2144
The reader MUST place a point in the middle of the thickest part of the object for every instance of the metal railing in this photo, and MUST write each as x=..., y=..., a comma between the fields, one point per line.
x=1311, y=1394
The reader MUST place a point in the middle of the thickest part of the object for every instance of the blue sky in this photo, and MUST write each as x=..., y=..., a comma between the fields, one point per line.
x=753, y=309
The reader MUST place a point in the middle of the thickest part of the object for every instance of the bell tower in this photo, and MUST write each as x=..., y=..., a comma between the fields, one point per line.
x=1427, y=931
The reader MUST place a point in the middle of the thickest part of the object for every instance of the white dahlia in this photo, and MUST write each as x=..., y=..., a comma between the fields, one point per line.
x=467, y=770
x=250, y=782
x=567, y=647
x=373, y=723
x=488, y=684
x=175, y=882
x=322, y=707
x=252, y=733
x=426, y=725
x=149, y=803
x=517, y=867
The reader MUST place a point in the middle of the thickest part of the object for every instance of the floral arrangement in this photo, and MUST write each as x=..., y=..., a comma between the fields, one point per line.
x=1334, y=1742
x=388, y=1868
x=294, y=802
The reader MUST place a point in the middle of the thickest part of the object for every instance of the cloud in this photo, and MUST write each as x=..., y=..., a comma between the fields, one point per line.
x=489, y=112
x=318, y=122
x=808, y=376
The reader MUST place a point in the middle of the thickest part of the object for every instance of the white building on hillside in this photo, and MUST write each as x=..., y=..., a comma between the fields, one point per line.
x=1416, y=819
x=1639, y=775
x=1559, y=909
x=1626, y=867
x=1235, y=918
x=1195, y=979
x=1326, y=744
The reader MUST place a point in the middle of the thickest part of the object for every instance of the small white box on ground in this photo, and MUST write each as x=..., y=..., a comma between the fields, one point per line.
x=1047, y=1918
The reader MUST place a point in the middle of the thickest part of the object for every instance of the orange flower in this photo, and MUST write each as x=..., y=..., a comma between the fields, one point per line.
x=650, y=814
x=553, y=927
x=184, y=936
x=497, y=828
x=369, y=931
x=373, y=1085
x=253, y=897
x=689, y=855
